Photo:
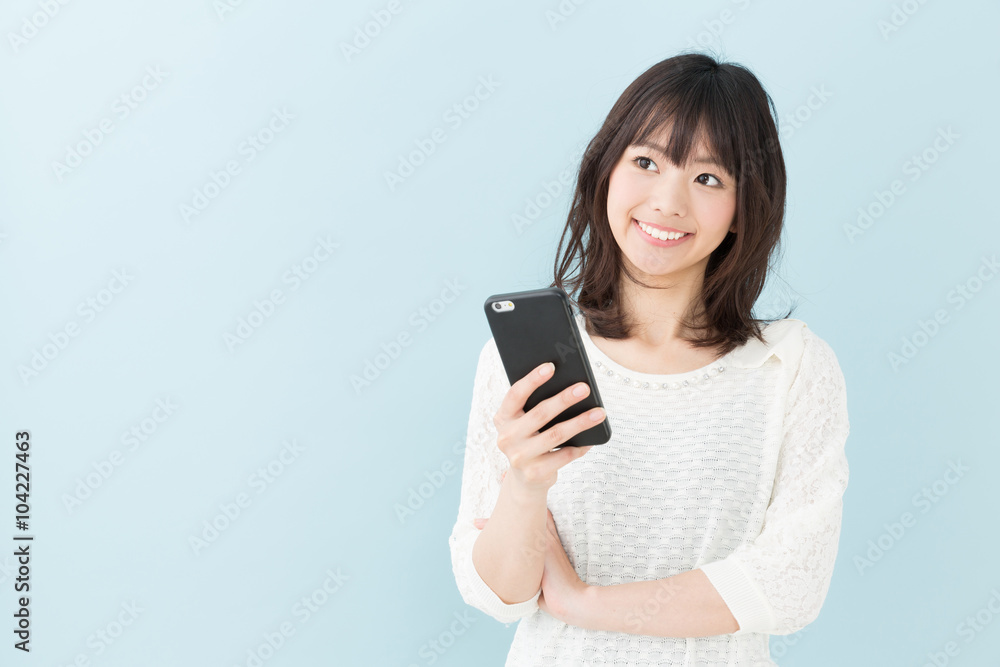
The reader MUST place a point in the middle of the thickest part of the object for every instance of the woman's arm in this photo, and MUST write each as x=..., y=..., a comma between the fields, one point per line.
x=684, y=605
x=509, y=554
x=777, y=582
x=485, y=491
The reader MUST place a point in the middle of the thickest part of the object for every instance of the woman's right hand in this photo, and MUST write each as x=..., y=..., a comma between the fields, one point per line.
x=533, y=464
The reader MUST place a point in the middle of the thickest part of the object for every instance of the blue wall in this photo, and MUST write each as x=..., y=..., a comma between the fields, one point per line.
x=202, y=249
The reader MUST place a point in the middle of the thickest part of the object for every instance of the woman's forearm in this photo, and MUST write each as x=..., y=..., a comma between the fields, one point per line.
x=509, y=553
x=684, y=605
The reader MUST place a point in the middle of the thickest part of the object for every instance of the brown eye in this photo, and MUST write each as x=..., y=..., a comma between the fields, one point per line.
x=641, y=160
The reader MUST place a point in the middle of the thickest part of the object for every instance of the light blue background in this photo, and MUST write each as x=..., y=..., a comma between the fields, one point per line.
x=333, y=507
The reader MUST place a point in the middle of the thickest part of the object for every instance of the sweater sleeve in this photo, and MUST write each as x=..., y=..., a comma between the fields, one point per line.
x=777, y=583
x=483, y=468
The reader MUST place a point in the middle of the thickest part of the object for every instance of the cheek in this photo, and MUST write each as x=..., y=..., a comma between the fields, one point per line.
x=620, y=192
x=718, y=211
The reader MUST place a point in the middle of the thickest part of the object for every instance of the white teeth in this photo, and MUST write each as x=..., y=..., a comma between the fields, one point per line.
x=659, y=234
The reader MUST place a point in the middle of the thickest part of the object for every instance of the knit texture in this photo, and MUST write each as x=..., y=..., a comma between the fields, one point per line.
x=740, y=472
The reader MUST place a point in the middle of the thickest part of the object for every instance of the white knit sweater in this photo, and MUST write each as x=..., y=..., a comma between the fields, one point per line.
x=737, y=468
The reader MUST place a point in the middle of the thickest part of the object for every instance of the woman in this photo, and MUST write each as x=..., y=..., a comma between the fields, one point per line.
x=711, y=519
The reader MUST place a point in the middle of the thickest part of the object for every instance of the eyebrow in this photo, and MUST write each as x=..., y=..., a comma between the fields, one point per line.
x=700, y=159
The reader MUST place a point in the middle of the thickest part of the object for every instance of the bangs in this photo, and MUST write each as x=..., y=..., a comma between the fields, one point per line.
x=682, y=120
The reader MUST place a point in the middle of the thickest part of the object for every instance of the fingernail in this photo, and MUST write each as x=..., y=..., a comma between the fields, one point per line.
x=596, y=415
x=547, y=368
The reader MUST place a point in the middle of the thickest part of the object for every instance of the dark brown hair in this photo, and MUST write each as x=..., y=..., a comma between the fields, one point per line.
x=725, y=104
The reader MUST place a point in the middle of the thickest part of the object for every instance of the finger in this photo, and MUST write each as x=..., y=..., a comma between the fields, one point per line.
x=543, y=443
x=552, y=407
x=517, y=396
x=479, y=523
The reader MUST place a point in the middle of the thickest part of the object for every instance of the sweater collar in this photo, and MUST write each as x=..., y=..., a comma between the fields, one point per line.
x=783, y=340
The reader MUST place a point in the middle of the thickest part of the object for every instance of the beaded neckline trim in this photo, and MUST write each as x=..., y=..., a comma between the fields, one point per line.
x=693, y=380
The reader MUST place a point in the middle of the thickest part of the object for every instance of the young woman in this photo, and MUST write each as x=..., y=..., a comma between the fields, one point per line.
x=711, y=519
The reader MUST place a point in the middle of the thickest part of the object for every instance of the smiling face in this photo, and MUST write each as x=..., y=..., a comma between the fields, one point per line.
x=698, y=198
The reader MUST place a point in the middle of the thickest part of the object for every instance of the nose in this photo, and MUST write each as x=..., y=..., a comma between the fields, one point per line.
x=668, y=194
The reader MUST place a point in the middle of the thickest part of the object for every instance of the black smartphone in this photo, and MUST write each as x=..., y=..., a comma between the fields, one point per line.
x=536, y=326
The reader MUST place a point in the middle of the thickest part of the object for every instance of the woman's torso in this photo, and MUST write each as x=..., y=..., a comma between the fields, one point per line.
x=685, y=479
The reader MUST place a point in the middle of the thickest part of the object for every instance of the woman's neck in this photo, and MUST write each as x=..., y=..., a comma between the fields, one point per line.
x=655, y=315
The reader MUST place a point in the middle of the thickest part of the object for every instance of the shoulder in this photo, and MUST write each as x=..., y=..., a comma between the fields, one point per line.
x=791, y=342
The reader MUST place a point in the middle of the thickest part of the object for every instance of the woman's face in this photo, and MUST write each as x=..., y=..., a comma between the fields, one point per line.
x=698, y=198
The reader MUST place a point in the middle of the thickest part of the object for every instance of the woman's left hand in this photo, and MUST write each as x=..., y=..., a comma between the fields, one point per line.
x=562, y=589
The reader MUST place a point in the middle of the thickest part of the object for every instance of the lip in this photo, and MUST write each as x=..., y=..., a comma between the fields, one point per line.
x=660, y=227
x=665, y=244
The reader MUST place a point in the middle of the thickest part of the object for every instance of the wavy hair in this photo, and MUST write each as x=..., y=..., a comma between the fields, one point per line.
x=699, y=97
